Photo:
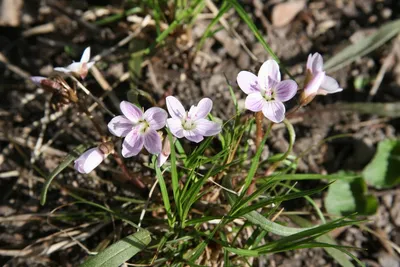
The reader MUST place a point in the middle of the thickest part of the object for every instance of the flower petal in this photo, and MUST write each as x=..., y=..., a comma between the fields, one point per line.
x=75, y=67
x=133, y=144
x=131, y=112
x=254, y=102
x=330, y=85
x=207, y=128
x=175, y=108
x=313, y=86
x=156, y=117
x=274, y=111
x=201, y=110
x=61, y=69
x=89, y=160
x=120, y=126
x=269, y=68
x=85, y=55
x=193, y=136
x=316, y=64
x=90, y=64
x=285, y=90
x=248, y=82
x=175, y=126
x=37, y=80
x=161, y=159
x=152, y=142
x=165, y=152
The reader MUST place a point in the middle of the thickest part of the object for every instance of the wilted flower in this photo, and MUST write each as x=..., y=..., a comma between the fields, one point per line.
x=191, y=124
x=80, y=68
x=63, y=94
x=317, y=83
x=138, y=129
x=165, y=152
x=267, y=92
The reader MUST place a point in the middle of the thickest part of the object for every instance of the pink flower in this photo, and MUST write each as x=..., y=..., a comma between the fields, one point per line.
x=323, y=86
x=191, y=124
x=266, y=92
x=80, y=68
x=138, y=129
x=89, y=160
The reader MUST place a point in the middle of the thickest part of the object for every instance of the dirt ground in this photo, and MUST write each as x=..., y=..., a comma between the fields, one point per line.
x=34, y=138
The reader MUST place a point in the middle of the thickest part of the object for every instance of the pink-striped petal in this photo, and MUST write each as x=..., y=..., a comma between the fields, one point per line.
x=131, y=112
x=120, y=126
x=207, y=128
x=133, y=144
x=313, y=86
x=269, y=68
x=89, y=160
x=330, y=85
x=316, y=63
x=285, y=90
x=175, y=126
x=152, y=142
x=248, y=82
x=175, y=107
x=193, y=136
x=274, y=111
x=156, y=117
x=201, y=110
x=254, y=102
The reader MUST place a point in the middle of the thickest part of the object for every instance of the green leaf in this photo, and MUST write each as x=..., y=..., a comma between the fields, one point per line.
x=64, y=164
x=363, y=47
x=349, y=197
x=121, y=251
x=384, y=169
x=338, y=255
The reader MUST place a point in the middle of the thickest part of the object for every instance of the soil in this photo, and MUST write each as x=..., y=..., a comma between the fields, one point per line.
x=35, y=138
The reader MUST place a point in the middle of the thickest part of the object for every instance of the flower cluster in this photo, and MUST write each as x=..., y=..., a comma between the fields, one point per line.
x=266, y=92
x=139, y=129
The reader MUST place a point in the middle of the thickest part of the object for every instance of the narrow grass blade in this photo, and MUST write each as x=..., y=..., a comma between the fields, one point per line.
x=338, y=255
x=242, y=13
x=121, y=251
x=364, y=46
x=258, y=219
x=164, y=194
x=64, y=164
x=224, y=8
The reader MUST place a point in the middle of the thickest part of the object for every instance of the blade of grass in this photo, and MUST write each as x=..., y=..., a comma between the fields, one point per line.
x=364, y=46
x=64, y=164
x=242, y=13
x=164, y=194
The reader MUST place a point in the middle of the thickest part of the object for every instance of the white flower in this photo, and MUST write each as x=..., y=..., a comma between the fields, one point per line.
x=191, y=124
x=80, y=68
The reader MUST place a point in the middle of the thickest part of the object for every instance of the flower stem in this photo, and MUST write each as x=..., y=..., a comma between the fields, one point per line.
x=259, y=128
